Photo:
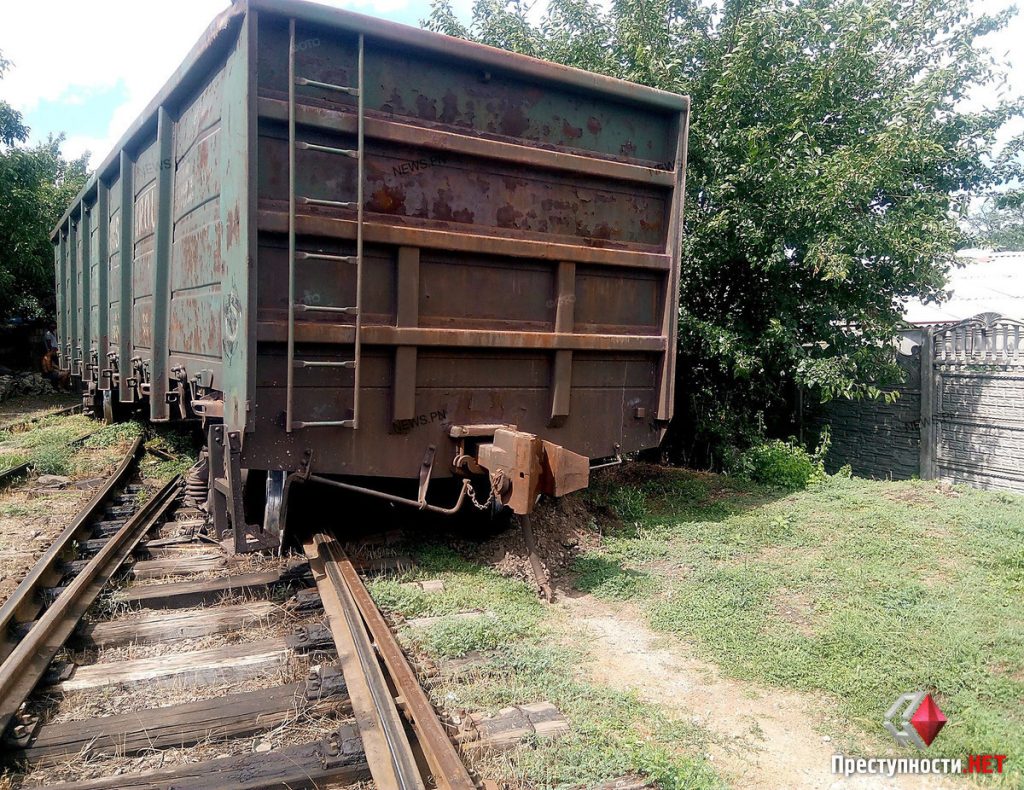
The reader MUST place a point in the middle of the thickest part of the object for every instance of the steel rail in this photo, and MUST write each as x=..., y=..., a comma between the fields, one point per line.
x=21, y=470
x=388, y=751
x=22, y=604
x=447, y=770
x=27, y=663
x=8, y=475
x=22, y=425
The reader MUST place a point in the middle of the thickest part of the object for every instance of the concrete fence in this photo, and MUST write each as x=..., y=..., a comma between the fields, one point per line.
x=959, y=416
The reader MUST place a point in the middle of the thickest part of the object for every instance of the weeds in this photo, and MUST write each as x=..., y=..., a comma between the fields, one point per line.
x=531, y=655
x=904, y=586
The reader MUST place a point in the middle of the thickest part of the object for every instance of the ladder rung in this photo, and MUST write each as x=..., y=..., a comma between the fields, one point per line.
x=327, y=149
x=308, y=201
x=344, y=363
x=330, y=86
x=315, y=308
x=325, y=424
x=323, y=256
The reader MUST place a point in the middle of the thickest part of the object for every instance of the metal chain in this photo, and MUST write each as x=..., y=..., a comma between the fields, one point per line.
x=496, y=485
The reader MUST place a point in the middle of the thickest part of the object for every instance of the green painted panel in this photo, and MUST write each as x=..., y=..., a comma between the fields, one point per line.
x=236, y=132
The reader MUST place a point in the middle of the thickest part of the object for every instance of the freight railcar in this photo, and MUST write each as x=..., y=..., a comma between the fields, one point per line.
x=359, y=250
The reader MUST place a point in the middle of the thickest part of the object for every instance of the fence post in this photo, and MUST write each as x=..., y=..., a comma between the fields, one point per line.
x=927, y=360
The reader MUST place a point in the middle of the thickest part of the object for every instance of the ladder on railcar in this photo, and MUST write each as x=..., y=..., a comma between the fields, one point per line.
x=294, y=306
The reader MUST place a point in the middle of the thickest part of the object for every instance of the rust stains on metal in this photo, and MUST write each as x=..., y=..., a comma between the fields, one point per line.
x=387, y=200
x=234, y=227
x=514, y=121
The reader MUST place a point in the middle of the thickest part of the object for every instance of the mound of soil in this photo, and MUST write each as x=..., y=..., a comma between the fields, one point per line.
x=563, y=528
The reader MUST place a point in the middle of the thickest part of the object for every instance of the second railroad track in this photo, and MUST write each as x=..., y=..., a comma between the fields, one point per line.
x=205, y=670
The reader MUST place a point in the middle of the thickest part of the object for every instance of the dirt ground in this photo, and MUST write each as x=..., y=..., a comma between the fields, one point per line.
x=762, y=737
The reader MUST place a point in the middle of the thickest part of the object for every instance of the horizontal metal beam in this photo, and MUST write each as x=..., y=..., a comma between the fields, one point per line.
x=322, y=332
x=512, y=246
x=452, y=142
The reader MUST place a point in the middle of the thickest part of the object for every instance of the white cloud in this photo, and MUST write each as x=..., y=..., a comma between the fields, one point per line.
x=64, y=51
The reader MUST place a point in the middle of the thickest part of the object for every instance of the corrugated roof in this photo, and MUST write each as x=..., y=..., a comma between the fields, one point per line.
x=988, y=282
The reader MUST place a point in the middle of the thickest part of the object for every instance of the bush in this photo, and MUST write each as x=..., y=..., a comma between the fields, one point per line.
x=781, y=464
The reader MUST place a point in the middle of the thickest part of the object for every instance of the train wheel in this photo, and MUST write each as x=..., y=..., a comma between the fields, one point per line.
x=274, y=510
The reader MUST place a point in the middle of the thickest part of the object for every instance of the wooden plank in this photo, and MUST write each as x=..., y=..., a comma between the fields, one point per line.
x=150, y=551
x=510, y=726
x=150, y=626
x=195, y=667
x=229, y=716
x=337, y=757
x=175, y=595
x=185, y=564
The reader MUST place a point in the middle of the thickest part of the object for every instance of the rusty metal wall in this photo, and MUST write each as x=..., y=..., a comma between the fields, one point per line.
x=522, y=231
x=113, y=295
x=197, y=266
x=518, y=268
x=141, y=257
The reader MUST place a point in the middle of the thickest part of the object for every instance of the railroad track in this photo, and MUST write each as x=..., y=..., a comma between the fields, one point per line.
x=24, y=425
x=9, y=475
x=364, y=713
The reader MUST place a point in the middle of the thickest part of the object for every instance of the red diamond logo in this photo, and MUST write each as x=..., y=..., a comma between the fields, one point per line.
x=928, y=720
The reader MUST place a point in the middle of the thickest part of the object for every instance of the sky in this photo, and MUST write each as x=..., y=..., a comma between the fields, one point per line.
x=88, y=69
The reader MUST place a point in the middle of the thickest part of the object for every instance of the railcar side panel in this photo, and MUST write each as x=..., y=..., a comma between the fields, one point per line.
x=521, y=229
x=113, y=294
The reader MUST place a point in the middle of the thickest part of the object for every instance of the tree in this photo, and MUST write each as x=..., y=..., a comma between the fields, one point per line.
x=12, y=129
x=998, y=223
x=829, y=160
x=36, y=185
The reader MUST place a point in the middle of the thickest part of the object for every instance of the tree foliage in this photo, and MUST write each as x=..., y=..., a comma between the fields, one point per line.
x=998, y=223
x=830, y=158
x=36, y=185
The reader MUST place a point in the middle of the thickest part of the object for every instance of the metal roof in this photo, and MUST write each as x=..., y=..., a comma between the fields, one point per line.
x=986, y=282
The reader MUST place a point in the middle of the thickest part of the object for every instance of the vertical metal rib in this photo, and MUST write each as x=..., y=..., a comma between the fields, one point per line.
x=290, y=384
x=359, y=238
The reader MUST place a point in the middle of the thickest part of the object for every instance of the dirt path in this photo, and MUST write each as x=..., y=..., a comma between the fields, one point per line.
x=762, y=737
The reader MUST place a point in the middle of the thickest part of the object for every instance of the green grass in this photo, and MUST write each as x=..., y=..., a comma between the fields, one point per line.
x=529, y=657
x=897, y=587
x=45, y=445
